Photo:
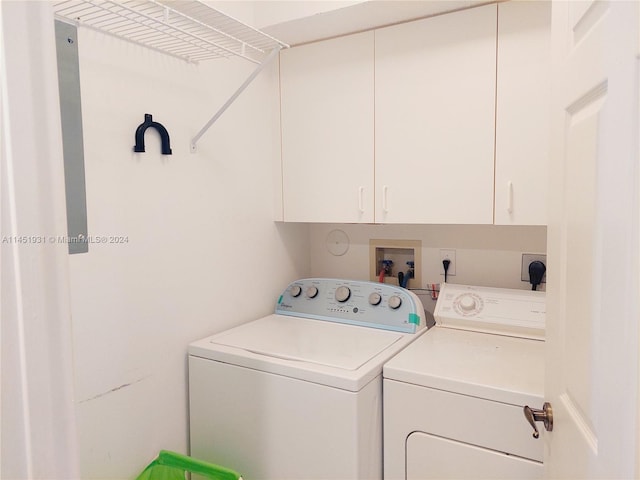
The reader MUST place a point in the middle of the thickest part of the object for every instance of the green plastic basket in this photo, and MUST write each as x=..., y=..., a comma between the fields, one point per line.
x=173, y=466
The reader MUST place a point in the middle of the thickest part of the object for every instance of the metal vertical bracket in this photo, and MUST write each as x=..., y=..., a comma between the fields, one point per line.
x=72, y=136
x=274, y=53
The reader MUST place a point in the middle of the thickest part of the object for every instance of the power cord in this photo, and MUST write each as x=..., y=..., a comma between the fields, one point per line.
x=445, y=265
x=536, y=272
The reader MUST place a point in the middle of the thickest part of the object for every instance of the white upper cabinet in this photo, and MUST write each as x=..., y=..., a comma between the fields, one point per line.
x=327, y=130
x=437, y=121
x=522, y=113
x=435, y=86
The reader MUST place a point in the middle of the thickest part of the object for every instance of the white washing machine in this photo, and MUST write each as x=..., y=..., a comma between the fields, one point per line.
x=298, y=394
x=453, y=400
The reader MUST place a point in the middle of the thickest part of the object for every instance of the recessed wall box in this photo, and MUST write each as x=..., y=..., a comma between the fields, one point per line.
x=404, y=257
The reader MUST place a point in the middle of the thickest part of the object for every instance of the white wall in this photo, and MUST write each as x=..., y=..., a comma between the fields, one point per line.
x=202, y=252
x=485, y=255
x=275, y=12
x=261, y=13
x=200, y=238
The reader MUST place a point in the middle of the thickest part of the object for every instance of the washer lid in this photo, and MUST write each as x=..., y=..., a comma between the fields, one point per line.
x=299, y=339
x=327, y=353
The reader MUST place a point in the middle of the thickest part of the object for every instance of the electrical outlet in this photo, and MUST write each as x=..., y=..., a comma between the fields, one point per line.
x=527, y=258
x=448, y=254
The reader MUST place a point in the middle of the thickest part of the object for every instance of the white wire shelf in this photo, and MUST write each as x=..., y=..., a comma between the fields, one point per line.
x=187, y=29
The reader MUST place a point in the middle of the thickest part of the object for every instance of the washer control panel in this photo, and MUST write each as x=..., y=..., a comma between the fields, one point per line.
x=519, y=313
x=370, y=304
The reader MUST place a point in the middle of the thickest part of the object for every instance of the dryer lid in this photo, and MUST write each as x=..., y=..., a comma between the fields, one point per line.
x=340, y=346
x=501, y=368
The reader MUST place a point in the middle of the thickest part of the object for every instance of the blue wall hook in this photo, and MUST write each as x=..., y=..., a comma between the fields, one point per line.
x=142, y=128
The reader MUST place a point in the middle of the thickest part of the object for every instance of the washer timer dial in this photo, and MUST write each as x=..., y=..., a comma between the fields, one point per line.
x=342, y=293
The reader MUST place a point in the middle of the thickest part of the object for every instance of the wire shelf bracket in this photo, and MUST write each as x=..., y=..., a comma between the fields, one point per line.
x=233, y=97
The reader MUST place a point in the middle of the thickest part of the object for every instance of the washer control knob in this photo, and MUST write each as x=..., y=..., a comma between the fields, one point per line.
x=467, y=303
x=375, y=298
x=311, y=292
x=295, y=291
x=342, y=293
x=395, y=302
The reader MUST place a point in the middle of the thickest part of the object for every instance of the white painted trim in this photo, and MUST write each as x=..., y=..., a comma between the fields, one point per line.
x=38, y=428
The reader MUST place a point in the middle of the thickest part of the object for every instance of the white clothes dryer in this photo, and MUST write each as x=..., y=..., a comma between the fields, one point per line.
x=298, y=394
x=453, y=400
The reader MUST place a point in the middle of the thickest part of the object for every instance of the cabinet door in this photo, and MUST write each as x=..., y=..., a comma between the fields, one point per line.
x=522, y=113
x=435, y=119
x=327, y=130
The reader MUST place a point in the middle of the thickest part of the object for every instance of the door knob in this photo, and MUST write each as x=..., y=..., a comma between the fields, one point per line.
x=534, y=415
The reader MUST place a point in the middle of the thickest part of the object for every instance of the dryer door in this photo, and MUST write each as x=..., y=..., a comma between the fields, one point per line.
x=433, y=457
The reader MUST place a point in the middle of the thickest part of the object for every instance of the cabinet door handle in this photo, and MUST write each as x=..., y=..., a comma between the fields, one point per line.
x=361, y=199
x=385, y=206
x=509, y=196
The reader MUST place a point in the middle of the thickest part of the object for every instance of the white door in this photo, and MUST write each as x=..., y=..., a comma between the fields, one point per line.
x=592, y=311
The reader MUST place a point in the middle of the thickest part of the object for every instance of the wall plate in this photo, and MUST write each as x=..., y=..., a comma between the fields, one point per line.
x=527, y=258
x=448, y=254
x=337, y=242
